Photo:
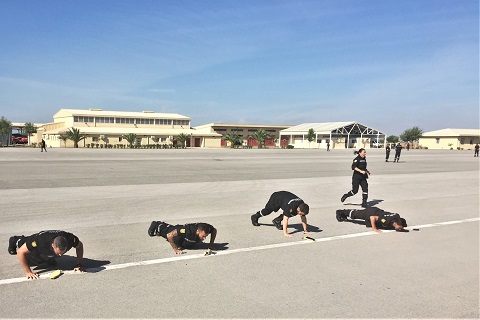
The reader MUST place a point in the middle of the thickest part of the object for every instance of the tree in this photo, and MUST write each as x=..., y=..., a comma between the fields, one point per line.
x=392, y=139
x=75, y=135
x=29, y=128
x=412, y=134
x=260, y=136
x=182, y=138
x=64, y=137
x=234, y=138
x=131, y=138
x=5, y=131
x=310, y=136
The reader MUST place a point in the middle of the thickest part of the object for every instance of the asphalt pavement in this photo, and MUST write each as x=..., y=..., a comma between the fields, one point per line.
x=109, y=197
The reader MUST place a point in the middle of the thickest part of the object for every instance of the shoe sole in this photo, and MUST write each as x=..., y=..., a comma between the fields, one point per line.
x=12, y=247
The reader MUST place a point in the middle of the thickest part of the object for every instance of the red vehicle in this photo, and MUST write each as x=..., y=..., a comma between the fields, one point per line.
x=19, y=139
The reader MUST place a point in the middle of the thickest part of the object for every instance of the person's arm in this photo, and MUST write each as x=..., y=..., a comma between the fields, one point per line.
x=285, y=227
x=22, y=254
x=79, y=249
x=213, y=235
x=305, y=225
x=171, y=239
x=373, y=221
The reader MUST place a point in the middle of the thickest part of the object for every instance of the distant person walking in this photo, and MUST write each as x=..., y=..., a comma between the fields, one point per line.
x=43, y=146
x=408, y=146
x=387, y=152
x=476, y=150
x=328, y=145
x=359, y=178
x=398, y=151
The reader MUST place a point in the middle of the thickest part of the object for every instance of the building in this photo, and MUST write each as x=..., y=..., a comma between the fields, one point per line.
x=340, y=135
x=110, y=127
x=450, y=139
x=246, y=130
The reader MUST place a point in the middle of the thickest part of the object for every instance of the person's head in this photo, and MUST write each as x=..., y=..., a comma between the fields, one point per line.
x=302, y=209
x=60, y=245
x=399, y=224
x=361, y=152
x=203, y=230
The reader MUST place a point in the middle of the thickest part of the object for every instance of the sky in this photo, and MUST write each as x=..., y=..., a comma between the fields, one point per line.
x=387, y=64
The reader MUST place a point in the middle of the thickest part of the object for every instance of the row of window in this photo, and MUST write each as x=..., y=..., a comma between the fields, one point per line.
x=131, y=120
x=241, y=130
x=98, y=139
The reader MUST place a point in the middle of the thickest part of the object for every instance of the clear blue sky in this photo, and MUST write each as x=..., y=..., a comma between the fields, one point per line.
x=388, y=64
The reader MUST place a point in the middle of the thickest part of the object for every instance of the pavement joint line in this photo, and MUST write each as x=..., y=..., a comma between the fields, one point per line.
x=233, y=251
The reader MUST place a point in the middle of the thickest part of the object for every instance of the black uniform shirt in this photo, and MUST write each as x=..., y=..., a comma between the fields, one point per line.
x=360, y=163
x=40, y=244
x=187, y=234
x=398, y=148
x=385, y=219
x=288, y=202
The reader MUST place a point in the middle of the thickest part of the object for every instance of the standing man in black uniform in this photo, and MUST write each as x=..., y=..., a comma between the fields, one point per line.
x=398, y=150
x=43, y=146
x=43, y=247
x=359, y=178
x=476, y=150
x=291, y=206
x=183, y=236
x=374, y=217
x=387, y=152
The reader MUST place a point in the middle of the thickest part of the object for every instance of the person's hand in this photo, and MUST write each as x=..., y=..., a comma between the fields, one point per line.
x=307, y=232
x=377, y=230
x=178, y=251
x=31, y=275
x=287, y=235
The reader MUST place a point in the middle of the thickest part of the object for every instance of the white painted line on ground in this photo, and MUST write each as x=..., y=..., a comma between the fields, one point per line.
x=233, y=251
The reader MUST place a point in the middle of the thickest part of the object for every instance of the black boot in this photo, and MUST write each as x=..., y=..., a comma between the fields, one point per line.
x=364, y=203
x=254, y=218
x=277, y=222
x=12, y=245
x=152, y=231
x=345, y=196
x=341, y=215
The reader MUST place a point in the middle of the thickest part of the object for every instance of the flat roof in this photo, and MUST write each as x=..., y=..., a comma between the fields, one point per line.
x=128, y=114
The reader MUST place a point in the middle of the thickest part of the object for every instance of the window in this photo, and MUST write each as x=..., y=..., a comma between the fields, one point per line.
x=471, y=141
x=462, y=140
x=163, y=139
x=437, y=140
x=120, y=139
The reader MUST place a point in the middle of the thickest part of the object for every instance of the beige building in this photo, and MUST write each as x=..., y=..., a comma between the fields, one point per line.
x=461, y=139
x=339, y=135
x=246, y=130
x=109, y=127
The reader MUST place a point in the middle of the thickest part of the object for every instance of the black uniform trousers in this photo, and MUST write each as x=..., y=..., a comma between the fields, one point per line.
x=397, y=155
x=358, y=181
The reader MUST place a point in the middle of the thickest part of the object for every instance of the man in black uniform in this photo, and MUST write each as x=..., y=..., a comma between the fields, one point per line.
x=43, y=247
x=359, y=177
x=183, y=236
x=398, y=150
x=476, y=150
x=374, y=217
x=291, y=206
x=387, y=152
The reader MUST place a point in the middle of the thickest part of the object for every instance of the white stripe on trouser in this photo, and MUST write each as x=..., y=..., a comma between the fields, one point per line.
x=350, y=214
x=261, y=213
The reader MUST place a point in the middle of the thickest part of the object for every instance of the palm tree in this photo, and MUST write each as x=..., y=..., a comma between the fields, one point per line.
x=182, y=138
x=131, y=138
x=260, y=136
x=5, y=131
x=234, y=138
x=75, y=135
x=29, y=128
x=64, y=137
